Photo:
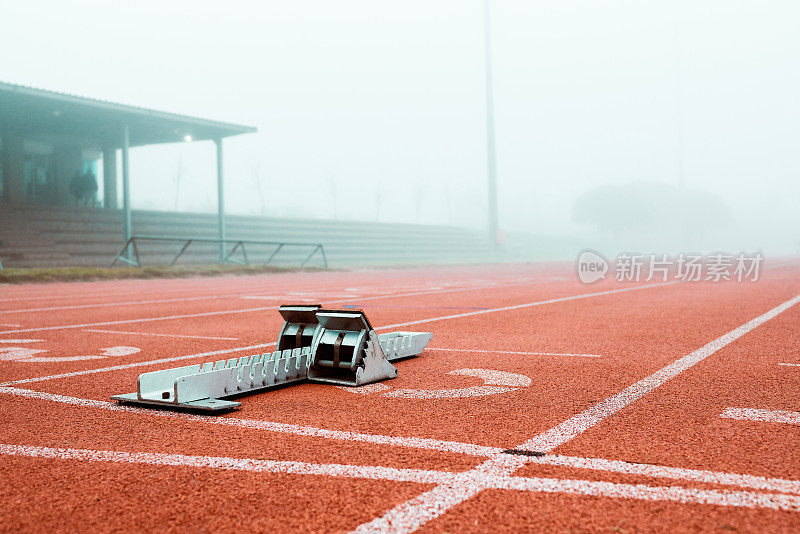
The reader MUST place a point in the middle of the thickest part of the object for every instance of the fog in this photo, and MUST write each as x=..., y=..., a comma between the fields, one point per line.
x=620, y=124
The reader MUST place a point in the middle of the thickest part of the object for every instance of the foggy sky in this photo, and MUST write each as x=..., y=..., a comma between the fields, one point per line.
x=375, y=110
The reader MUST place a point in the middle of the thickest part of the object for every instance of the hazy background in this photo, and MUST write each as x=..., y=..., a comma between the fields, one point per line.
x=661, y=124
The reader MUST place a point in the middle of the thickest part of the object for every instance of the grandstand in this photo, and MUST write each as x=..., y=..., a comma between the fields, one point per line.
x=47, y=139
x=64, y=236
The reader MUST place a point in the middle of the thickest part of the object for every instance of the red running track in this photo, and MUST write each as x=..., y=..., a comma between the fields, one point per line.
x=626, y=406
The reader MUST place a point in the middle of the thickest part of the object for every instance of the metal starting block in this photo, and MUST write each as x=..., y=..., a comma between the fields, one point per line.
x=317, y=345
x=300, y=327
x=200, y=387
x=348, y=352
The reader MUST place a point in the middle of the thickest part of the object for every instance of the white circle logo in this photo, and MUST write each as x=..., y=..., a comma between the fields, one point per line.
x=591, y=266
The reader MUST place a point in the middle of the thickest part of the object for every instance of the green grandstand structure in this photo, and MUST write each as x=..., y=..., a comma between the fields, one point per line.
x=57, y=147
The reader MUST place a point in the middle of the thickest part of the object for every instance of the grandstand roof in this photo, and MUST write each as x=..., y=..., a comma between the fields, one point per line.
x=48, y=112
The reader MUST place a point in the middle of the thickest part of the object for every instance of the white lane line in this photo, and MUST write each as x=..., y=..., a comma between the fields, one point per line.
x=790, y=364
x=138, y=364
x=743, y=499
x=779, y=485
x=115, y=304
x=516, y=352
x=409, y=516
x=142, y=320
x=450, y=479
x=433, y=319
x=497, y=285
x=160, y=335
x=21, y=340
x=254, y=424
x=83, y=294
x=419, y=476
x=433, y=291
x=576, y=425
x=224, y=312
x=11, y=325
x=134, y=289
x=762, y=416
x=530, y=304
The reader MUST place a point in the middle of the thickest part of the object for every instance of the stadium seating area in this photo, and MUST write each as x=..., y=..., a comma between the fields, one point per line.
x=34, y=236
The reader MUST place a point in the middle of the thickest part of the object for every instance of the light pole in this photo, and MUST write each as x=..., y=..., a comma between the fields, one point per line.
x=491, y=156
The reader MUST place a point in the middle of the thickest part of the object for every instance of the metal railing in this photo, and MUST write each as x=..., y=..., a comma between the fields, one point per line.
x=131, y=249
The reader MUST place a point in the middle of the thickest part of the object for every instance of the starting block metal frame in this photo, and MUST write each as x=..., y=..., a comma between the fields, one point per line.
x=328, y=346
x=202, y=386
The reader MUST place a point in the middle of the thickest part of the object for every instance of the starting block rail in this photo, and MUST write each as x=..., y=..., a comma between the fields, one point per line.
x=400, y=345
x=317, y=345
x=201, y=386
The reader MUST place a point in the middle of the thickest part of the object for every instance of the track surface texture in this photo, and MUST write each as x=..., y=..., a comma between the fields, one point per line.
x=542, y=404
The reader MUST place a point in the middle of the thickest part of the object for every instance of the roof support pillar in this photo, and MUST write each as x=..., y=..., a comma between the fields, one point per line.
x=110, y=177
x=220, y=201
x=126, y=189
